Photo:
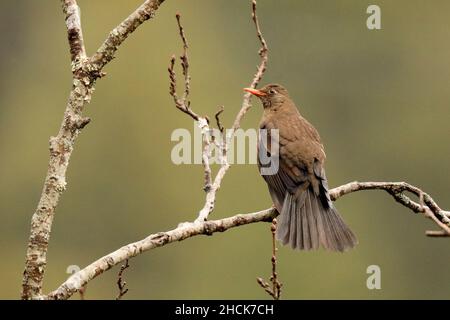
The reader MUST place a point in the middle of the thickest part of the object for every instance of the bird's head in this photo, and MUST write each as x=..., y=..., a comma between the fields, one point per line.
x=271, y=95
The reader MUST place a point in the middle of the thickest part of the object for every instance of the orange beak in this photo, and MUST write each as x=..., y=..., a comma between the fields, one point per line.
x=255, y=92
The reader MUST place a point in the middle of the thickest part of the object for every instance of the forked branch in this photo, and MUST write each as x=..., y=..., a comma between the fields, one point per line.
x=85, y=71
x=213, y=185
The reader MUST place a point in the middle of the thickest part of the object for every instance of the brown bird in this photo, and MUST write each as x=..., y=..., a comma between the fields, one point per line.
x=298, y=187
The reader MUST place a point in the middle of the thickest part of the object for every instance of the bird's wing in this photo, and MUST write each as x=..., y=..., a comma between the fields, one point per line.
x=319, y=172
x=289, y=177
x=300, y=162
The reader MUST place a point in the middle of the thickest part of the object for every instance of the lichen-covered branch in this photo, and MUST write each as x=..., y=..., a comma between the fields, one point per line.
x=185, y=231
x=85, y=72
x=74, y=32
x=61, y=147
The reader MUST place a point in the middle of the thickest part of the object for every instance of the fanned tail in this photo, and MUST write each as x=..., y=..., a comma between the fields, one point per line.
x=306, y=222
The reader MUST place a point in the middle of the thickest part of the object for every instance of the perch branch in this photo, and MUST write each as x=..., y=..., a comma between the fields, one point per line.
x=397, y=190
x=153, y=241
x=85, y=71
x=81, y=278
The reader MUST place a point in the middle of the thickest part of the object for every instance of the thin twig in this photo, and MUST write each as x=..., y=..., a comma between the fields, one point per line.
x=226, y=140
x=121, y=284
x=183, y=103
x=184, y=62
x=217, y=116
x=437, y=234
x=275, y=290
x=263, y=53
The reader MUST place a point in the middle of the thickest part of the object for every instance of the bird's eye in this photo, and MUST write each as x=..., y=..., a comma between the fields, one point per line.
x=272, y=91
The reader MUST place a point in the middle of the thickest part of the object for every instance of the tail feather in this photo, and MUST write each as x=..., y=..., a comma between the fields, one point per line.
x=322, y=227
x=293, y=235
x=307, y=224
x=284, y=225
x=312, y=225
x=303, y=228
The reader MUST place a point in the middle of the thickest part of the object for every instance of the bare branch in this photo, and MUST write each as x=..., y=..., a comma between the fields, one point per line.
x=263, y=53
x=173, y=83
x=153, y=241
x=183, y=104
x=61, y=147
x=85, y=71
x=437, y=234
x=120, y=33
x=121, y=284
x=397, y=191
x=182, y=35
x=275, y=290
x=217, y=116
x=211, y=195
x=206, y=155
x=74, y=32
x=179, y=103
x=81, y=278
x=184, y=62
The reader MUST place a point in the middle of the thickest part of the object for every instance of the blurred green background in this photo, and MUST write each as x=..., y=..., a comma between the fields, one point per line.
x=380, y=100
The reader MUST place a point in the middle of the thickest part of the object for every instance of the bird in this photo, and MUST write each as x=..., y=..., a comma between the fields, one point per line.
x=299, y=190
